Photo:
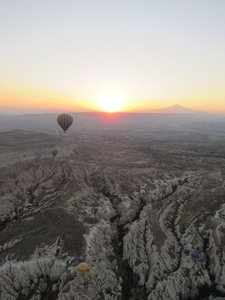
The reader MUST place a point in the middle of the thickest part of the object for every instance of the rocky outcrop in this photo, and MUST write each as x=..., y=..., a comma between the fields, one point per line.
x=131, y=224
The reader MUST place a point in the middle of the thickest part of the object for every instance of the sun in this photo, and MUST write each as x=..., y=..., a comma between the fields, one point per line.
x=110, y=104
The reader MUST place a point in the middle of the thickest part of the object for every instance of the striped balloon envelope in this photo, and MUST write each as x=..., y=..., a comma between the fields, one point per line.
x=65, y=121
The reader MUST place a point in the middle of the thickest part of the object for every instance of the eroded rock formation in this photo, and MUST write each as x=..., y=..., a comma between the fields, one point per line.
x=131, y=223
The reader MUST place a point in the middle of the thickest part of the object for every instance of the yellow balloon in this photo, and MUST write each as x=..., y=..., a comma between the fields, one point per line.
x=83, y=267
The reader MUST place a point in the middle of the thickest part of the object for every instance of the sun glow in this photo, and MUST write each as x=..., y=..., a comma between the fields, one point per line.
x=110, y=103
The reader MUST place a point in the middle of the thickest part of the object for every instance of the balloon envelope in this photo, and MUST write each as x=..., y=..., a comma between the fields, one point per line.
x=81, y=259
x=195, y=256
x=186, y=251
x=54, y=151
x=65, y=121
x=83, y=267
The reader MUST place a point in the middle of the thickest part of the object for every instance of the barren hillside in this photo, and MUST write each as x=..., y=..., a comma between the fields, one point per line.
x=129, y=202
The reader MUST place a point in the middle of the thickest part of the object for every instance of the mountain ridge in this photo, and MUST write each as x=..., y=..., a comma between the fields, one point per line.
x=174, y=109
x=178, y=109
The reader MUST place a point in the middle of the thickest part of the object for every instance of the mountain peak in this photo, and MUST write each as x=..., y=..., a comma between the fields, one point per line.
x=175, y=109
x=177, y=106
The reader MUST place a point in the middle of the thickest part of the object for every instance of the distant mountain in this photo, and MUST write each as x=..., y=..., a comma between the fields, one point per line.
x=175, y=109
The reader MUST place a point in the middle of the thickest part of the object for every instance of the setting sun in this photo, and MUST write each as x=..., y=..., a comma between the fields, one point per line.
x=110, y=104
x=115, y=62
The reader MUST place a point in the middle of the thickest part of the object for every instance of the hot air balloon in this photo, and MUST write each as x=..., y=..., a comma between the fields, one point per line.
x=195, y=256
x=65, y=121
x=82, y=267
x=186, y=251
x=54, y=151
x=81, y=259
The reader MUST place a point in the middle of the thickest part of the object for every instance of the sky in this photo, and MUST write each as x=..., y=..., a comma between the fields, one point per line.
x=120, y=55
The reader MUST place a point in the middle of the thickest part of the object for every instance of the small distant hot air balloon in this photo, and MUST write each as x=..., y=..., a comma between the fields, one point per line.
x=54, y=151
x=195, y=256
x=65, y=121
x=81, y=259
x=186, y=251
x=82, y=267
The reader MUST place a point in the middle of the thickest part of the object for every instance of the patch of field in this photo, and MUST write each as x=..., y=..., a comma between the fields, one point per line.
x=45, y=227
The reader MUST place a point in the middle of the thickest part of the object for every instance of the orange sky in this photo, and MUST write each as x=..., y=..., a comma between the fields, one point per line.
x=112, y=56
x=31, y=99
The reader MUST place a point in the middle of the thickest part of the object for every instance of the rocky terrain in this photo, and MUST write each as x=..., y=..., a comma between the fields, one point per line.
x=130, y=202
